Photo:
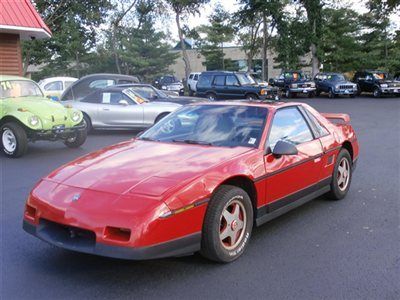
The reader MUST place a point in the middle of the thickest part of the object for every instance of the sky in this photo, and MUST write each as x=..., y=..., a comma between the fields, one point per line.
x=232, y=5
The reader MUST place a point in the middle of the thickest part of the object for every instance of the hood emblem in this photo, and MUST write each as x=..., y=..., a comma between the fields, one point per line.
x=76, y=197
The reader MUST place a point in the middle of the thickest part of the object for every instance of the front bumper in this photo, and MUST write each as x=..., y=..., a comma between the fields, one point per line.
x=306, y=90
x=271, y=94
x=84, y=241
x=57, y=132
x=390, y=91
x=345, y=92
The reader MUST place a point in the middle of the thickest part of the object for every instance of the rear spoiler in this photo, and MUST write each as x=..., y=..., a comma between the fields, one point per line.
x=343, y=118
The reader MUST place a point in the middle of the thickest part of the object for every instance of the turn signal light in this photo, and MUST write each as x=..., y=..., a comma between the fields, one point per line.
x=117, y=234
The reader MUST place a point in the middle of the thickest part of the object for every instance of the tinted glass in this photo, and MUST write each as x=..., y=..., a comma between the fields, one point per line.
x=145, y=91
x=190, y=76
x=245, y=79
x=196, y=77
x=219, y=80
x=204, y=80
x=101, y=83
x=231, y=80
x=321, y=130
x=54, y=86
x=93, y=98
x=19, y=88
x=289, y=125
x=218, y=125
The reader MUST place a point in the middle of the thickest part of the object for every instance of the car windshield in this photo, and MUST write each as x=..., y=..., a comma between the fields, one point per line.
x=139, y=99
x=295, y=76
x=245, y=79
x=380, y=75
x=336, y=77
x=149, y=92
x=19, y=88
x=213, y=125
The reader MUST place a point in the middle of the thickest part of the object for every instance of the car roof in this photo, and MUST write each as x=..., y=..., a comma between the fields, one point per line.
x=221, y=72
x=329, y=73
x=109, y=75
x=271, y=105
x=11, y=77
x=59, y=78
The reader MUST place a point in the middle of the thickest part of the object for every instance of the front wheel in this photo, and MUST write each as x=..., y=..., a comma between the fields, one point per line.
x=251, y=97
x=377, y=93
x=331, y=94
x=288, y=94
x=14, y=141
x=227, y=225
x=341, y=177
x=211, y=96
x=76, y=140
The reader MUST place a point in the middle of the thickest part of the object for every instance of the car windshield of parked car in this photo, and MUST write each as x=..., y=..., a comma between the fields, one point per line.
x=149, y=92
x=19, y=88
x=245, y=79
x=213, y=125
x=139, y=99
x=294, y=76
x=336, y=77
x=380, y=75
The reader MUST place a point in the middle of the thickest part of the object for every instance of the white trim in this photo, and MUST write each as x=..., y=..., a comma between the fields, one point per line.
x=36, y=32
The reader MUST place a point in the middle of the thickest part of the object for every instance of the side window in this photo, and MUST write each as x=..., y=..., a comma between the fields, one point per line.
x=289, y=125
x=111, y=98
x=231, y=80
x=219, y=80
x=191, y=76
x=101, y=83
x=321, y=130
x=204, y=80
x=124, y=81
x=196, y=77
x=67, y=84
x=54, y=86
x=368, y=76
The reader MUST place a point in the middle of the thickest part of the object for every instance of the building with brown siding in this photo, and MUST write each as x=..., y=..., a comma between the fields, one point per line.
x=19, y=21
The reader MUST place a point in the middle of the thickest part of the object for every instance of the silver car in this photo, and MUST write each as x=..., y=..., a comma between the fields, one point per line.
x=120, y=108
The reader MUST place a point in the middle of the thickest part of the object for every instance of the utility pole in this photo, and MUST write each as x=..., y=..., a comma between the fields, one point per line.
x=264, y=50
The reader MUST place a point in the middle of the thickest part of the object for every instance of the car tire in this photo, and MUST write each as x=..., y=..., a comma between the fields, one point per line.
x=331, y=94
x=288, y=94
x=161, y=116
x=211, y=96
x=342, y=175
x=251, y=97
x=14, y=140
x=191, y=93
x=318, y=93
x=377, y=92
x=311, y=95
x=88, y=122
x=229, y=213
x=77, y=140
x=352, y=96
x=358, y=90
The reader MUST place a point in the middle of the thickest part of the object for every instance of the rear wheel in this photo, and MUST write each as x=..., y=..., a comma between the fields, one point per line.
x=76, y=140
x=227, y=225
x=14, y=141
x=88, y=123
x=341, y=177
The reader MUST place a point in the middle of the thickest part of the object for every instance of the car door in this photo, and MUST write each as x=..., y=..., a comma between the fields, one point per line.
x=219, y=86
x=118, y=110
x=233, y=88
x=289, y=177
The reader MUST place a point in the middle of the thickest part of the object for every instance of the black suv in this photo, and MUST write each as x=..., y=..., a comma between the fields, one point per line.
x=334, y=84
x=376, y=82
x=294, y=83
x=169, y=83
x=232, y=85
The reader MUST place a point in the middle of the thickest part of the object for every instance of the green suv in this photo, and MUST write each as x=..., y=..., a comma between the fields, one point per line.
x=26, y=115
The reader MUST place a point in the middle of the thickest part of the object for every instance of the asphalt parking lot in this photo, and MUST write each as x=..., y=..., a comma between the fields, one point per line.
x=323, y=250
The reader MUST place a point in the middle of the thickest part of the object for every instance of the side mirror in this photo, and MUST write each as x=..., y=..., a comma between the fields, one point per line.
x=123, y=102
x=284, y=148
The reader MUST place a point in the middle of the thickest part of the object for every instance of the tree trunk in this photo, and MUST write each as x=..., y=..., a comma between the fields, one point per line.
x=183, y=46
x=250, y=61
x=264, y=48
x=313, y=49
x=114, y=48
x=26, y=61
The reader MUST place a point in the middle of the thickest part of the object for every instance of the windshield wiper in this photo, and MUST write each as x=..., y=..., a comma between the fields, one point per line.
x=193, y=142
x=147, y=139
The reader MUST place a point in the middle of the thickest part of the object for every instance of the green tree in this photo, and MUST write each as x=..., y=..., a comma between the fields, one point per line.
x=74, y=25
x=339, y=47
x=218, y=32
x=183, y=8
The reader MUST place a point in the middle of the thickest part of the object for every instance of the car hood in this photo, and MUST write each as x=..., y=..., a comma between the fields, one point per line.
x=42, y=107
x=142, y=167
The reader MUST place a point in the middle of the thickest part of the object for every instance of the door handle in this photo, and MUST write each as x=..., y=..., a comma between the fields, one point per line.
x=104, y=108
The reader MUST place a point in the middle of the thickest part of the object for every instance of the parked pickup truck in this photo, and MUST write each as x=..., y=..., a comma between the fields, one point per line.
x=294, y=83
x=377, y=82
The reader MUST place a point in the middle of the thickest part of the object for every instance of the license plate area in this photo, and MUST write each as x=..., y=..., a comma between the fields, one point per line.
x=59, y=129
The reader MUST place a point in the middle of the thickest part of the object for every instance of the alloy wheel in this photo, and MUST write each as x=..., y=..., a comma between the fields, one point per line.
x=232, y=224
x=343, y=175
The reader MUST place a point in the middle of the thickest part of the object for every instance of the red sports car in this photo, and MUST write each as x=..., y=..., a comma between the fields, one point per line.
x=196, y=181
